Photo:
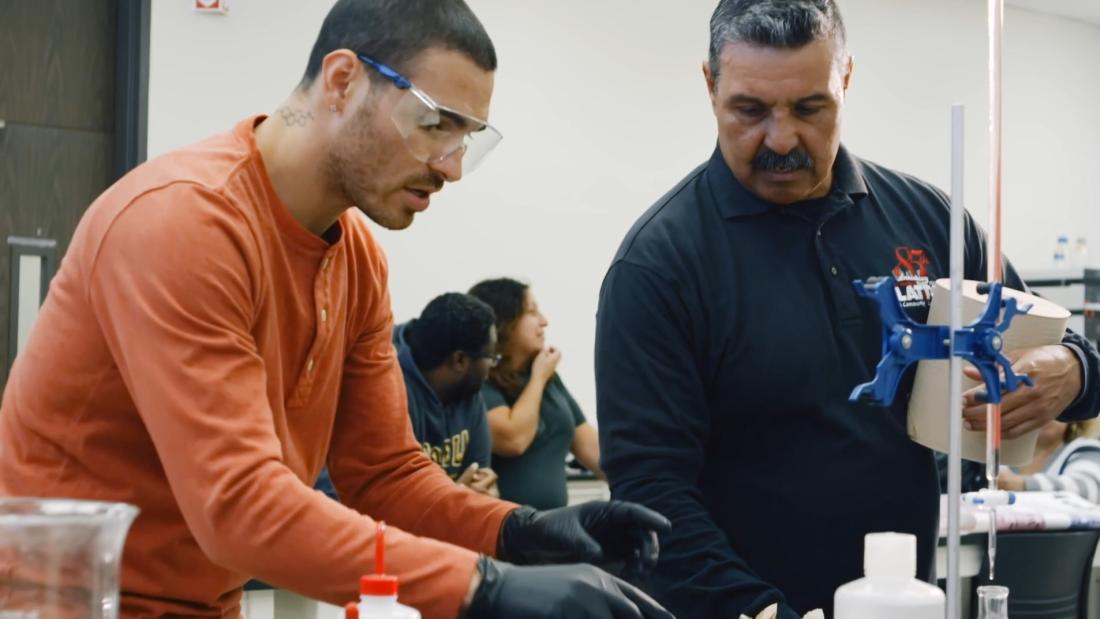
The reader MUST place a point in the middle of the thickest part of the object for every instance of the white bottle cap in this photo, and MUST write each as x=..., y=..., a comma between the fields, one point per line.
x=890, y=556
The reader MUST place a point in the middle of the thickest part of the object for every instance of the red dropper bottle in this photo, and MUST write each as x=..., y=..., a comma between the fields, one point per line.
x=378, y=591
x=378, y=584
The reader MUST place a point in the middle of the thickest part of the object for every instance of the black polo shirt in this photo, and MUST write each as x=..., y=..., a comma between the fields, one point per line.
x=728, y=339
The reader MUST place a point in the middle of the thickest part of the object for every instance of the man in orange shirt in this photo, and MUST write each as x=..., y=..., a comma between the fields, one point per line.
x=222, y=321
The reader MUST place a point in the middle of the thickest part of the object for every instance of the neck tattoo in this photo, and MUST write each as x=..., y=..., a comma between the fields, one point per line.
x=295, y=117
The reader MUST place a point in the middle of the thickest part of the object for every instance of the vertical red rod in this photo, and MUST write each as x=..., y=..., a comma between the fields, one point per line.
x=995, y=268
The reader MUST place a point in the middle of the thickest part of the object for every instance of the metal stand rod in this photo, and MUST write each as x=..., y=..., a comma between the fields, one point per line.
x=954, y=459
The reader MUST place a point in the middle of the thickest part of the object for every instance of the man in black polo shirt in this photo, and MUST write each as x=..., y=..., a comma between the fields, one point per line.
x=729, y=337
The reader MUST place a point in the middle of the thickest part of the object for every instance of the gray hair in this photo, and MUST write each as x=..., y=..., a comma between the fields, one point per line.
x=788, y=24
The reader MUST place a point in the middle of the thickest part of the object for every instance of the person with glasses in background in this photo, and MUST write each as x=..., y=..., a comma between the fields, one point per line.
x=222, y=322
x=534, y=420
x=445, y=355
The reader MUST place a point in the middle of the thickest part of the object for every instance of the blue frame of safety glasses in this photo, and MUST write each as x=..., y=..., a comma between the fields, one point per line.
x=386, y=71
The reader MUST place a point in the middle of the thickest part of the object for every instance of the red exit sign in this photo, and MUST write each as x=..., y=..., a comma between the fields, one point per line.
x=211, y=6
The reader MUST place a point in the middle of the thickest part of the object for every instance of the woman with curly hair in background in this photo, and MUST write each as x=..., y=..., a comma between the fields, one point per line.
x=533, y=419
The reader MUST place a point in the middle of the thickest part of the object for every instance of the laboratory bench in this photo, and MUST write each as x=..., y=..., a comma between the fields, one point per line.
x=1034, y=512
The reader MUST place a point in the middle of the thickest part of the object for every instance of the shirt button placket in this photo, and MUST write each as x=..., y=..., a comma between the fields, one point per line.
x=821, y=255
x=321, y=299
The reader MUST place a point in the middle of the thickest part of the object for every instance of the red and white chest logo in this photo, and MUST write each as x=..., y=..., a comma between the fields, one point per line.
x=911, y=273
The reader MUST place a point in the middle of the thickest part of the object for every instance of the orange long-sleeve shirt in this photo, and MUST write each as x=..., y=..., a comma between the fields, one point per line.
x=198, y=354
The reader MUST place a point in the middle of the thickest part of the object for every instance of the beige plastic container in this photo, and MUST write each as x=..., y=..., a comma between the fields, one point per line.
x=1044, y=324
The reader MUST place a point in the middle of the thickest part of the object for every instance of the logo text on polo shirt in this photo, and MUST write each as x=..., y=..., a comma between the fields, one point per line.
x=911, y=273
x=451, y=452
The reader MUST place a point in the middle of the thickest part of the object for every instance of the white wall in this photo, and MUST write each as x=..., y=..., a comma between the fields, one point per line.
x=601, y=117
x=1051, y=135
x=913, y=61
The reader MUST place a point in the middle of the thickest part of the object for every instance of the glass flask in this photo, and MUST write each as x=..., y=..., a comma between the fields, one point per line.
x=59, y=558
x=992, y=602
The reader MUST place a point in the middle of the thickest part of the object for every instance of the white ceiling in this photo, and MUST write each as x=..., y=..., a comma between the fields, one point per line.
x=1085, y=10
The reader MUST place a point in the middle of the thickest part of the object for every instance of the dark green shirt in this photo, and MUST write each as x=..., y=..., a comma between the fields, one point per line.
x=537, y=478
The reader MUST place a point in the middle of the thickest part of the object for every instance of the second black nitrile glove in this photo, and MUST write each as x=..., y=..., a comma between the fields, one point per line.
x=556, y=591
x=617, y=535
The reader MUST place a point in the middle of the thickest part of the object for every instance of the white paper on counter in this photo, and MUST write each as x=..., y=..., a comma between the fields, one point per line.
x=1045, y=323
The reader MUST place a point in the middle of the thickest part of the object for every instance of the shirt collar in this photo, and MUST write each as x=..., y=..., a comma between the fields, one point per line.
x=734, y=200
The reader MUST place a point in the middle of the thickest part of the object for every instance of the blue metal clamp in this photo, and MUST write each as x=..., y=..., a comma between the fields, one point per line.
x=905, y=342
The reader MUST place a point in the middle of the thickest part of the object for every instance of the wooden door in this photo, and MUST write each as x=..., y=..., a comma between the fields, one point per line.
x=57, y=105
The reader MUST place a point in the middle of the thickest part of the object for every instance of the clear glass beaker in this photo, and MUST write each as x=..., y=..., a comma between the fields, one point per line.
x=59, y=558
x=992, y=602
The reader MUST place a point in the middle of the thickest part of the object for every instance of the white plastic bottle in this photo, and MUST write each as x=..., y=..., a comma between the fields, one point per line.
x=890, y=588
x=378, y=592
x=1061, y=252
x=1080, y=257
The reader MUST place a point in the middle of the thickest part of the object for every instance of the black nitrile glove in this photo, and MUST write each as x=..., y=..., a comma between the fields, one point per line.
x=557, y=592
x=617, y=535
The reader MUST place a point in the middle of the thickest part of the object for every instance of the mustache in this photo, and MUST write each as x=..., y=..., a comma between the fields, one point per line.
x=768, y=160
x=433, y=180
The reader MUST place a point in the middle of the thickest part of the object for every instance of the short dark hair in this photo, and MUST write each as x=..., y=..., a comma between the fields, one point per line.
x=788, y=24
x=450, y=322
x=396, y=31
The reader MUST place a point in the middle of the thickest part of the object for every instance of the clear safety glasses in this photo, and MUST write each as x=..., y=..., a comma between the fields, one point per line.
x=434, y=132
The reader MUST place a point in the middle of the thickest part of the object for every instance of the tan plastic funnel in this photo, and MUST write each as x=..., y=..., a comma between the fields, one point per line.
x=1045, y=323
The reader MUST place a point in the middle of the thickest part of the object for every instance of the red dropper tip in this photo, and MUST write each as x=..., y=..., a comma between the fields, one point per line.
x=378, y=583
x=351, y=611
x=380, y=548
